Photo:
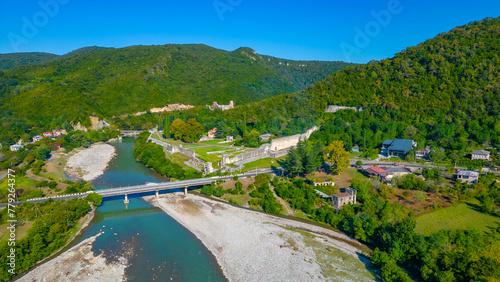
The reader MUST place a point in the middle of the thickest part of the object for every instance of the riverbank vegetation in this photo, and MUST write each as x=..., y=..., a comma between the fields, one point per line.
x=153, y=156
x=53, y=224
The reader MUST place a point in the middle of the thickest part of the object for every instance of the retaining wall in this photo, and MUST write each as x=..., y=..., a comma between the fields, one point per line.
x=277, y=148
x=174, y=149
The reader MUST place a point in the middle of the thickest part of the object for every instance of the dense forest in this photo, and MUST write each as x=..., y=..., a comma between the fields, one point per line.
x=110, y=82
x=11, y=60
x=444, y=92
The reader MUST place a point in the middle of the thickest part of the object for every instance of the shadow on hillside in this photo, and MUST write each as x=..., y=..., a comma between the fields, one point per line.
x=474, y=207
x=369, y=266
x=493, y=229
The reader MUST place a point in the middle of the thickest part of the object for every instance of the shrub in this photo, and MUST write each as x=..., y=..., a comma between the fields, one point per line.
x=207, y=190
x=94, y=198
x=219, y=192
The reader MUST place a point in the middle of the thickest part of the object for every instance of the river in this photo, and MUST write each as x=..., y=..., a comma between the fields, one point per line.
x=162, y=248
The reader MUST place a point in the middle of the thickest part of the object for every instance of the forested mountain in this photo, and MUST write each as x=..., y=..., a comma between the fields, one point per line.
x=444, y=92
x=11, y=60
x=126, y=80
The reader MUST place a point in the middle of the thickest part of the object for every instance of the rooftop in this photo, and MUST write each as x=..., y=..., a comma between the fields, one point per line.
x=468, y=173
x=481, y=152
x=342, y=195
x=387, y=142
x=377, y=169
x=397, y=169
x=401, y=145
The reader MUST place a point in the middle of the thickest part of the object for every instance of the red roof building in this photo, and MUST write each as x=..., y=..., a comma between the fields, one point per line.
x=376, y=171
x=211, y=133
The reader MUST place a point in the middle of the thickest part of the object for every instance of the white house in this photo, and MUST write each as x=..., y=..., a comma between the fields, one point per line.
x=16, y=147
x=37, y=138
x=467, y=176
x=480, y=155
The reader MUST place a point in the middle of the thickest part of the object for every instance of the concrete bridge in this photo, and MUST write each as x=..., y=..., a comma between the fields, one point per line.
x=182, y=184
x=152, y=187
x=130, y=132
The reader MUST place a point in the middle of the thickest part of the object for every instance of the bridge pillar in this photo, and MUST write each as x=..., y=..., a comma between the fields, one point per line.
x=126, y=201
x=185, y=191
x=157, y=196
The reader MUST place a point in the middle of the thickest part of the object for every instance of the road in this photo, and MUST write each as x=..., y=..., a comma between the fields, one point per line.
x=366, y=162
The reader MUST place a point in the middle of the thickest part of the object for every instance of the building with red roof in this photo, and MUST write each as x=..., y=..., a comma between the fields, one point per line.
x=376, y=171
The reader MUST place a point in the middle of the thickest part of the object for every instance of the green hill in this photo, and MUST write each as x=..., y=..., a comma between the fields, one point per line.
x=445, y=90
x=11, y=60
x=111, y=82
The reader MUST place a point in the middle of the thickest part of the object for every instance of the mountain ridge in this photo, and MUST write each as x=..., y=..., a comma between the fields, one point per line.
x=107, y=82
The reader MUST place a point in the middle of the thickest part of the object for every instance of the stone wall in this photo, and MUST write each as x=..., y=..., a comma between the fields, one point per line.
x=174, y=149
x=277, y=148
x=291, y=141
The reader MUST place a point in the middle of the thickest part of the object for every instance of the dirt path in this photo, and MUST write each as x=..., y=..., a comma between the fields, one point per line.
x=33, y=176
x=289, y=210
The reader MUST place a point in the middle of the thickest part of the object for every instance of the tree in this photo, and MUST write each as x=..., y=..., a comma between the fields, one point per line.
x=43, y=153
x=94, y=198
x=337, y=156
x=166, y=127
x=177, y=128
x=419, y=196
x=207, y=190
x=410, y=157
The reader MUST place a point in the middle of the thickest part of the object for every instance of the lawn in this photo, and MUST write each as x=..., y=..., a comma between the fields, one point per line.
x=204, y=150
x=463, y=216
x=263, y=163
x=214, y=159
x=22, y=182
x=216, y=142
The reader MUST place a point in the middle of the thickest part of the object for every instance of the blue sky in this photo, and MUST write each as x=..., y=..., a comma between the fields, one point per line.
x=301, y=30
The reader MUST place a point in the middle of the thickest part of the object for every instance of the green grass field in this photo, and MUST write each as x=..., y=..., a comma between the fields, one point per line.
x=263, y=163
x=21, y=182
x=463, y=216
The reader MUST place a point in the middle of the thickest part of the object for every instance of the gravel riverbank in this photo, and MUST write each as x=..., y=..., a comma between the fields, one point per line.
x=252, y=246
x=90, y=163
x=79, y=264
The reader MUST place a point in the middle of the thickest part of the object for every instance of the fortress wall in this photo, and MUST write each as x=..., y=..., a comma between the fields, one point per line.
x=291, y=141
x=277, y=148
x=263, y=150
x=174, y=149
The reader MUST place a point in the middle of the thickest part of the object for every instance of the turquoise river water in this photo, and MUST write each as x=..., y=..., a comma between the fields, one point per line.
x=162, y=249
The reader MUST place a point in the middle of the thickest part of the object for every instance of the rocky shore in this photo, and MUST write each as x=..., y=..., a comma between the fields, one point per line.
x=90, y=163
x=252, y=246
x=79, y=264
